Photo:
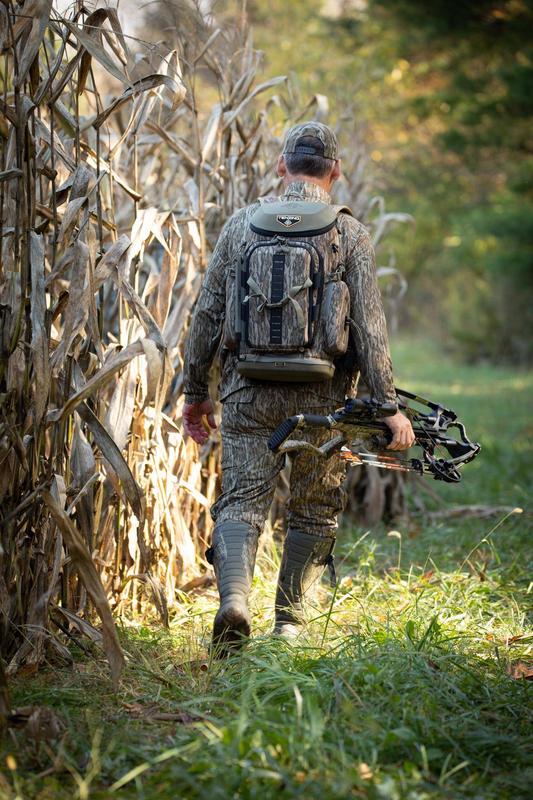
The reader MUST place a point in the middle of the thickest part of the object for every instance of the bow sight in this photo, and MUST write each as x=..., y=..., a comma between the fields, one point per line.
x=360, y=426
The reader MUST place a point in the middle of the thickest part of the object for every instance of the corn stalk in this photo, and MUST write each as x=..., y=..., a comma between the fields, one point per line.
x=118, y=165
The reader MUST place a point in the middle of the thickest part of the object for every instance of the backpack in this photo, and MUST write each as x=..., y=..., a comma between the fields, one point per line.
x=286, y=303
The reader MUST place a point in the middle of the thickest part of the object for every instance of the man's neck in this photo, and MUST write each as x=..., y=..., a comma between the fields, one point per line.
x=324, y=183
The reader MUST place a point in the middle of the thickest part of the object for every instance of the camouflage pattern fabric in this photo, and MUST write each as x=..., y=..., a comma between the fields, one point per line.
x=253, y=409
x=294, y=328
x=366, y=309
x=330, y=147
x=250, y=469
x=285, y=281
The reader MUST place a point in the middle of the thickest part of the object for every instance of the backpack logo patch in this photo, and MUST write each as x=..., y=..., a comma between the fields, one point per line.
x=288, y=220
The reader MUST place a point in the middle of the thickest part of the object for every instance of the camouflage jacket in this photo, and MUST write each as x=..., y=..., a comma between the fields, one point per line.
x=372, y=348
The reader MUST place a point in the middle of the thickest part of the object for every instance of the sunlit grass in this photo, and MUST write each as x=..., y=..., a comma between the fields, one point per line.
x=400, y=687
x=408, y=695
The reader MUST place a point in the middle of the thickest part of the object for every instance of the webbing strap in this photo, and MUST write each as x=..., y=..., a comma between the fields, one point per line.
x=276, y=295
x=256, y=291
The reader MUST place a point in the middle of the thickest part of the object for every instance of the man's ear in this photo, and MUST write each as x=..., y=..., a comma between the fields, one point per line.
x=336, y=171
x=281, y=167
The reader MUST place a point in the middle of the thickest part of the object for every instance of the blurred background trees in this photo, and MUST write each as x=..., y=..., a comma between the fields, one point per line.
x=443, y=95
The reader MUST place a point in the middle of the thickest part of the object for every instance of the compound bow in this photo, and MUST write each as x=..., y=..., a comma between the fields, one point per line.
x=360, y=425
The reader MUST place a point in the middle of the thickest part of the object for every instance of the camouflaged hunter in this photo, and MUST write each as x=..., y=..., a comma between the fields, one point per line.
x=289, y=278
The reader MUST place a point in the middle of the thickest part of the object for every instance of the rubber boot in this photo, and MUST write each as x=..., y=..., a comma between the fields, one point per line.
x=305, y=555
x=232, y=554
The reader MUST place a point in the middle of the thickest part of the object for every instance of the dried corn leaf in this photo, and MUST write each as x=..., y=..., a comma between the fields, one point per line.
x=39, y=339
x=142, y=230
x=80, y=624
x=70, y=218
x=89, y=576
x=231, y=116
x=143, y=314
x=112, y=16
x=121, y=406
x=39, y=12
x=92, y=27
x=211, y=131
x=153, y=373
x=83, y=466
x=115, y=459
x=77, y=310
x=66, y=119
x=167, y=278
x=103, y=166
x=79, y=183
x=97, y=51
x=114, y=364
x=142, y=85
x=111, y=260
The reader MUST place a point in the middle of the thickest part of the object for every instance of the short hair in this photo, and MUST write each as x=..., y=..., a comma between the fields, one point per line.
x=303, y=163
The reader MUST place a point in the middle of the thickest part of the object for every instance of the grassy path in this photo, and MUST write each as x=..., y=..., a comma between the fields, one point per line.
x=402, y=688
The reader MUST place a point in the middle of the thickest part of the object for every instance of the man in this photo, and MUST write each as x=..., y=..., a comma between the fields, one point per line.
x=251, y=409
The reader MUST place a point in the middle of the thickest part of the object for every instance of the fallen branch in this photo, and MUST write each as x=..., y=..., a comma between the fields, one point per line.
x=471, y=511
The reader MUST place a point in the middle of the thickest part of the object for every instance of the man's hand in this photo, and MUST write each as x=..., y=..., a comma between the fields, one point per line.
x=195, y=424
x=402, y=431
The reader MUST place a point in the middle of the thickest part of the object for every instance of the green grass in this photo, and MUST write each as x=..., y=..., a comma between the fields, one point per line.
x=401, y=688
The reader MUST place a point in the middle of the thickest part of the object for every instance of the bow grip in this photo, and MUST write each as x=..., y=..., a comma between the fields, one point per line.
x=381, y=440
x=289, y=425
x=282, y=432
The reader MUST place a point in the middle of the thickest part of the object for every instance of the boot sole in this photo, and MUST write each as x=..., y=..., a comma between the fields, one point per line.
x=231, y=629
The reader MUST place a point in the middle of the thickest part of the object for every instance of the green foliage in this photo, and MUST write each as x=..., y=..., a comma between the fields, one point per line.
x=498, y=244
x=443, y=91
x=472, y=90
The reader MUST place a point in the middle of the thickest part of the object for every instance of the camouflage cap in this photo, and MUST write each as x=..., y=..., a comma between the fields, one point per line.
x=330, y=147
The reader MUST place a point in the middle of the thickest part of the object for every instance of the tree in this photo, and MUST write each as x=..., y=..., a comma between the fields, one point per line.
x=443, y=98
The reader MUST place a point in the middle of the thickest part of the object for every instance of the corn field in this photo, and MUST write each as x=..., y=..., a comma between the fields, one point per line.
x=119, y=163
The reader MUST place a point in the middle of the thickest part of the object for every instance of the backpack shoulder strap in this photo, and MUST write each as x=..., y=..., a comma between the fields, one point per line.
x=343, y=210
x=269, y=198
x=272, y=198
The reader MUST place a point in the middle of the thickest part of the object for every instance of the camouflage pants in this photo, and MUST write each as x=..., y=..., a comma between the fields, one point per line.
x=250, y=469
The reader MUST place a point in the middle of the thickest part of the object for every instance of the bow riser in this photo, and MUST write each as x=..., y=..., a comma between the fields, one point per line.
x=361, y=423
